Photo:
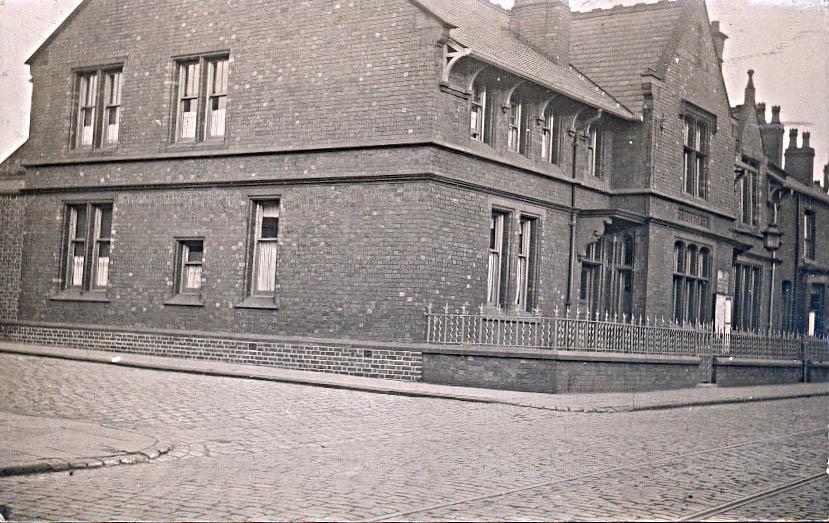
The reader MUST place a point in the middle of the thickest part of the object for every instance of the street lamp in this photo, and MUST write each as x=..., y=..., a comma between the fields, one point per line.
x=771, y=241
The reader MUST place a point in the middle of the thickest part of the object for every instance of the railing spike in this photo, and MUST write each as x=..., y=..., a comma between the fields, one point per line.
x=446, y=308
x=481, y=308
x=429, y=308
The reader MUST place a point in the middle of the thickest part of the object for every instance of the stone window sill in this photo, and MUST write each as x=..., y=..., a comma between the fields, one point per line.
x=94, y=297
x=259, y=302
x=185, y=300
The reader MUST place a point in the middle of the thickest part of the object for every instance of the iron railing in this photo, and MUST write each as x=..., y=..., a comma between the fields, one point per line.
x=583, y=330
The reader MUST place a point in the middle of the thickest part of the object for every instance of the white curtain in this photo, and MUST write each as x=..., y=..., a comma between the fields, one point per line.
x=192, y=277
x=266, y=267
x=77, y=271
x=102, y=272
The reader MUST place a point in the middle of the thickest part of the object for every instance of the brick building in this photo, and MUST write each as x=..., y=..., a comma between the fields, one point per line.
x=294, y=182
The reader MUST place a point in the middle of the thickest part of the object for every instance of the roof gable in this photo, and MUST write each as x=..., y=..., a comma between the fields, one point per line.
x=616, y=46
x=56, y=32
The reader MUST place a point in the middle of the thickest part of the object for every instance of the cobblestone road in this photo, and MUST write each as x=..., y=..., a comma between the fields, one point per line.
x=248, y=449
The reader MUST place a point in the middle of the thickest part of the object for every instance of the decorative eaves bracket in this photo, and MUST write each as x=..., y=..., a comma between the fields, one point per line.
x=452, y=52
x=590, y=229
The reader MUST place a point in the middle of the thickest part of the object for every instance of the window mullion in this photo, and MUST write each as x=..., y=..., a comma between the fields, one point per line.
x=204, y=74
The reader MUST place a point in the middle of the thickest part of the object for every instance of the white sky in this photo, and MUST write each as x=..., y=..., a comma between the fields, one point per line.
x=785, y=41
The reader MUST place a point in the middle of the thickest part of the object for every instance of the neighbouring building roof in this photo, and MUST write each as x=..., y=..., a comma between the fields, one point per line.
x=616, y=46
x=12, y=165
x=484, y=29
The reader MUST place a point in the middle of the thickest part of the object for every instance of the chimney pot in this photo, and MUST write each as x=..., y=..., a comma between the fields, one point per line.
x=806, y=138
x=775, y=114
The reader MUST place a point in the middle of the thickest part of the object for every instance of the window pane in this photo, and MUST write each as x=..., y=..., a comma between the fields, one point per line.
x=195, y=252
x=628, y=246
x=690, y=180
x=105, y=227
x=679, y=257
x=266, y=267
x=102, y=265
x=80, y=221
x=192, y=277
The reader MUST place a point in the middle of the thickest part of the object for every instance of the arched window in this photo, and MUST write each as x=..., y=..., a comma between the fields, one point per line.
x=607, y=275
x=692, y=272
x=551, y=135
x=480, y=124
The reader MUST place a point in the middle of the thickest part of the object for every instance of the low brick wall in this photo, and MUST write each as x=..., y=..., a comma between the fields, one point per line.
x=531, y=370
x=818, y=372
x=375, y=360
x=744, y=372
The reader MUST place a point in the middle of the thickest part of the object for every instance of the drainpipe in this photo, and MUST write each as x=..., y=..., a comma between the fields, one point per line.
x=571, y=266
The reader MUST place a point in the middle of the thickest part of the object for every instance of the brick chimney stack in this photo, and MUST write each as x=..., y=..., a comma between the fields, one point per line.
x=826, y=177
x=761, y=113
x=719, y=39
x=545, y=25
x=772, y=133
x=800, y=161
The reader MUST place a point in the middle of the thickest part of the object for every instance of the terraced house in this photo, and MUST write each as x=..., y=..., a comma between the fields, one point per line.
x=295, y=183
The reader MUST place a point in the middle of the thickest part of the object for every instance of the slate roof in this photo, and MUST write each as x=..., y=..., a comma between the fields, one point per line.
x=615, y=46
x=484, y=29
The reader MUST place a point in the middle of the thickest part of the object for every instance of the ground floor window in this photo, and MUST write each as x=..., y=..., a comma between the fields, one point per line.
x=497, y=265
x=607, y=275
x=692, y=274
x=525, y=271
x=87, y=246
x=190, y=259
x=747, y=292
x=264, y=254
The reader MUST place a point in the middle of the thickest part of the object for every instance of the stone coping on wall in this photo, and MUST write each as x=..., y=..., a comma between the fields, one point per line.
x=560, y=355
x=230, y=336
x=755, y=362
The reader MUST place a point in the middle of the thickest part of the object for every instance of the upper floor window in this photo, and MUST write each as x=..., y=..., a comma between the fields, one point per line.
x=201, y=103
x=595, y=151
x=692, y=273
x=809, y=235
x=480, y=113
x=749, y=198
x=551, y=136
x=98, y=115
x=87, y=246
x=516, y=139
x=696, y=137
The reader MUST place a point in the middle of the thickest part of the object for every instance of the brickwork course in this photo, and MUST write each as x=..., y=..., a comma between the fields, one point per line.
x=353, y=117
